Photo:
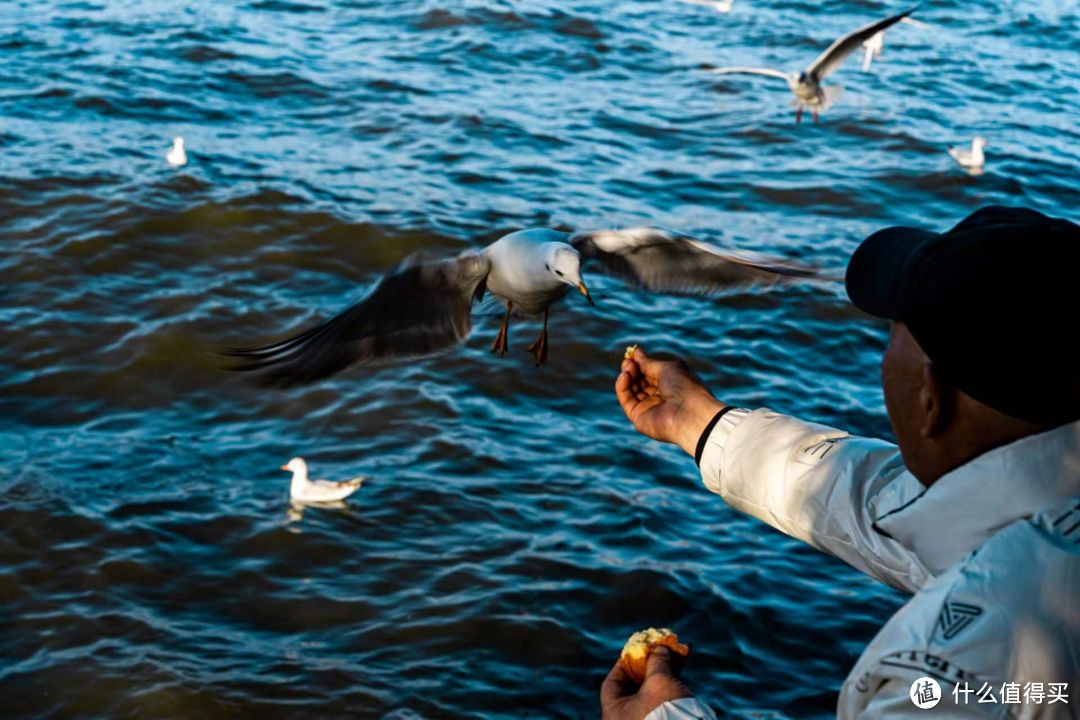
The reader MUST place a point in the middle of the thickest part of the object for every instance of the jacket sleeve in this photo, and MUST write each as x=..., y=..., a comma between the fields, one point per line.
x=813, y=483
x=682, y=709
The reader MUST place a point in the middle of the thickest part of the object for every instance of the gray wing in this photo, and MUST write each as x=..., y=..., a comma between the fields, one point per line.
x=839, y=50
x=419, y=309
x=749, y=71
x=661, y=261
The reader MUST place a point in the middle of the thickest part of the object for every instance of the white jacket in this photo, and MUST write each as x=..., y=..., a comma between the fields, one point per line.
x=991, y=552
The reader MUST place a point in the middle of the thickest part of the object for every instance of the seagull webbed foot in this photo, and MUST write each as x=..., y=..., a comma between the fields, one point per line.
x=501, y=339
x=539, y=349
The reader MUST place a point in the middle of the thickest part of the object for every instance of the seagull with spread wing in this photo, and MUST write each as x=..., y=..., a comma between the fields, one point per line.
x=425, y=307
x=806, y=86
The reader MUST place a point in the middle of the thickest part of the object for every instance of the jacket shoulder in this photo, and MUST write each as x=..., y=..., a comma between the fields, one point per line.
x=1006, y=614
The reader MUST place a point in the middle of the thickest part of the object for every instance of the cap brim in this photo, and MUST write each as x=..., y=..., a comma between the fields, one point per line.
x=875, y=272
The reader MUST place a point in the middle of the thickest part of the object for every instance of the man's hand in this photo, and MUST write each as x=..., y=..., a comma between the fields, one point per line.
x=622, y=699
x=665, y=400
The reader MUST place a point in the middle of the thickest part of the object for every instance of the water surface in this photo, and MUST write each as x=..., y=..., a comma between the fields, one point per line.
x=516, y=530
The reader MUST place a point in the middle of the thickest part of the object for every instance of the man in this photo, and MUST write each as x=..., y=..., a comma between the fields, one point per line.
x=976, y=510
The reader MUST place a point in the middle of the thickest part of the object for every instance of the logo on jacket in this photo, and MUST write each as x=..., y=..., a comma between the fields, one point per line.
x=925, y=693
x=955, y=617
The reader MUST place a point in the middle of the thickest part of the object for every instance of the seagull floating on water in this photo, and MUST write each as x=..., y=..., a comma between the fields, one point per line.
x=176, y=155
x=720, y=6
x=971, y=158
x=318, y=491
x=425, y=307
x=876, y=44
x=806, y=86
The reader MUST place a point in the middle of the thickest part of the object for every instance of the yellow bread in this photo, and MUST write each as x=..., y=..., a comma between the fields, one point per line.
x=635, y=654
x=629, y=354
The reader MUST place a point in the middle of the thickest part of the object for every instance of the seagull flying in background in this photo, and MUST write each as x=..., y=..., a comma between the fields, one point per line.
x=425, y=306
x=806, y=86
x=876, y=44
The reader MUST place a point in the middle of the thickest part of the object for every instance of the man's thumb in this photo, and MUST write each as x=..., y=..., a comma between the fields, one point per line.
x=659, y=663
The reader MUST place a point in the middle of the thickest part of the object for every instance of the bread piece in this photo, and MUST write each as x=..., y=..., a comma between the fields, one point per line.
x=635, y=654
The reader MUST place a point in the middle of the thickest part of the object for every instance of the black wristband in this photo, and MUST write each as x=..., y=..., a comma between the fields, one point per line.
x=707, y=432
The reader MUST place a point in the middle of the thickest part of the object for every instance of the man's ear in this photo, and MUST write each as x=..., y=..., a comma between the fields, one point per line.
x=936, y=401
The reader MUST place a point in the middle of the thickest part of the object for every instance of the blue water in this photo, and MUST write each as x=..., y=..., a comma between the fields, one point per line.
x=516, y=529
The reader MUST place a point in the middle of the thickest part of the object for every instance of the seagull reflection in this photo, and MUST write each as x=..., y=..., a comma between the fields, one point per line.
x=295, y=512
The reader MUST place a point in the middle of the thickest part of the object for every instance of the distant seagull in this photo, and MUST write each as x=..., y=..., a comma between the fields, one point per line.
x=176, y=155
x=720, y=6
x=425, y=307
x=318, y=491
x=876, y=44
x=972, y=159
x=806, y=85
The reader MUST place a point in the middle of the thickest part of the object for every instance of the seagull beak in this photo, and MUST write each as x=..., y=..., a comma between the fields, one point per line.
x=585, y=292
x=285, y=467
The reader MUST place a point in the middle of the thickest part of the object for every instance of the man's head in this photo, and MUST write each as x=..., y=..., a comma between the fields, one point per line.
x=980, y=353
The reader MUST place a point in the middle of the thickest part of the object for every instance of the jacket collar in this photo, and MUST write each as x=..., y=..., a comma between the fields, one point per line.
x=966, y=507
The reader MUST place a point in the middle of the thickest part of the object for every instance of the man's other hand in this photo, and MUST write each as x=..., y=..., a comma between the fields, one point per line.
x=622, y=699
x=665, y=400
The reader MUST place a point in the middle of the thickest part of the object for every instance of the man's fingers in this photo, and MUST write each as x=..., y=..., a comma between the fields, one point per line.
x=640, y=408
x=616, y=685
x=649, y=368
x=659, y=663
x=626, y=395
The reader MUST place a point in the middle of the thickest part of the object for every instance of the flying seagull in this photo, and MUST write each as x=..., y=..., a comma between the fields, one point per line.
x=876, y=43
x=318, y=491
x=806, y=85
x=425, y=307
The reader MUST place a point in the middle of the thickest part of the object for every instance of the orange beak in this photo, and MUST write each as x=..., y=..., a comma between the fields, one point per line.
x=285, y=467
x=585, y=292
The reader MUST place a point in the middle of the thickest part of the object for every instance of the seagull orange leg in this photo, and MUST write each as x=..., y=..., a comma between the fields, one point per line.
x=798, y=115
x=499, y=345
x=539, y=348
x=815, y=116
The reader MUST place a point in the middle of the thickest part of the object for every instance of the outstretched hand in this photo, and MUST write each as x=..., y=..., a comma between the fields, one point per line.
x=622, y=699
x=665, y=400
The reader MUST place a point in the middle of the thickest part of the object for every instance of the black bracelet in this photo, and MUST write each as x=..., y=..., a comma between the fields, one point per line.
x=707, y=432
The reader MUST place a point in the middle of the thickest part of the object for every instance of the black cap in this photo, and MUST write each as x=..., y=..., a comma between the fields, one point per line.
x=993, y=302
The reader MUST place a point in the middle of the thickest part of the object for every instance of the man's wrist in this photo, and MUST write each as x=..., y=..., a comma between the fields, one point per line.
x=702, y=414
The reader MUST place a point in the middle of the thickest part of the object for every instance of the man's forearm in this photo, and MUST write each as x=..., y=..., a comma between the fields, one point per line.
x=812, y=482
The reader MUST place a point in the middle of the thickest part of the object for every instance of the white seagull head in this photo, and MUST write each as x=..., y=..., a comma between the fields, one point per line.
x=296, y=465
x=178, y=143
x=564, y=262
x=979, y=142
